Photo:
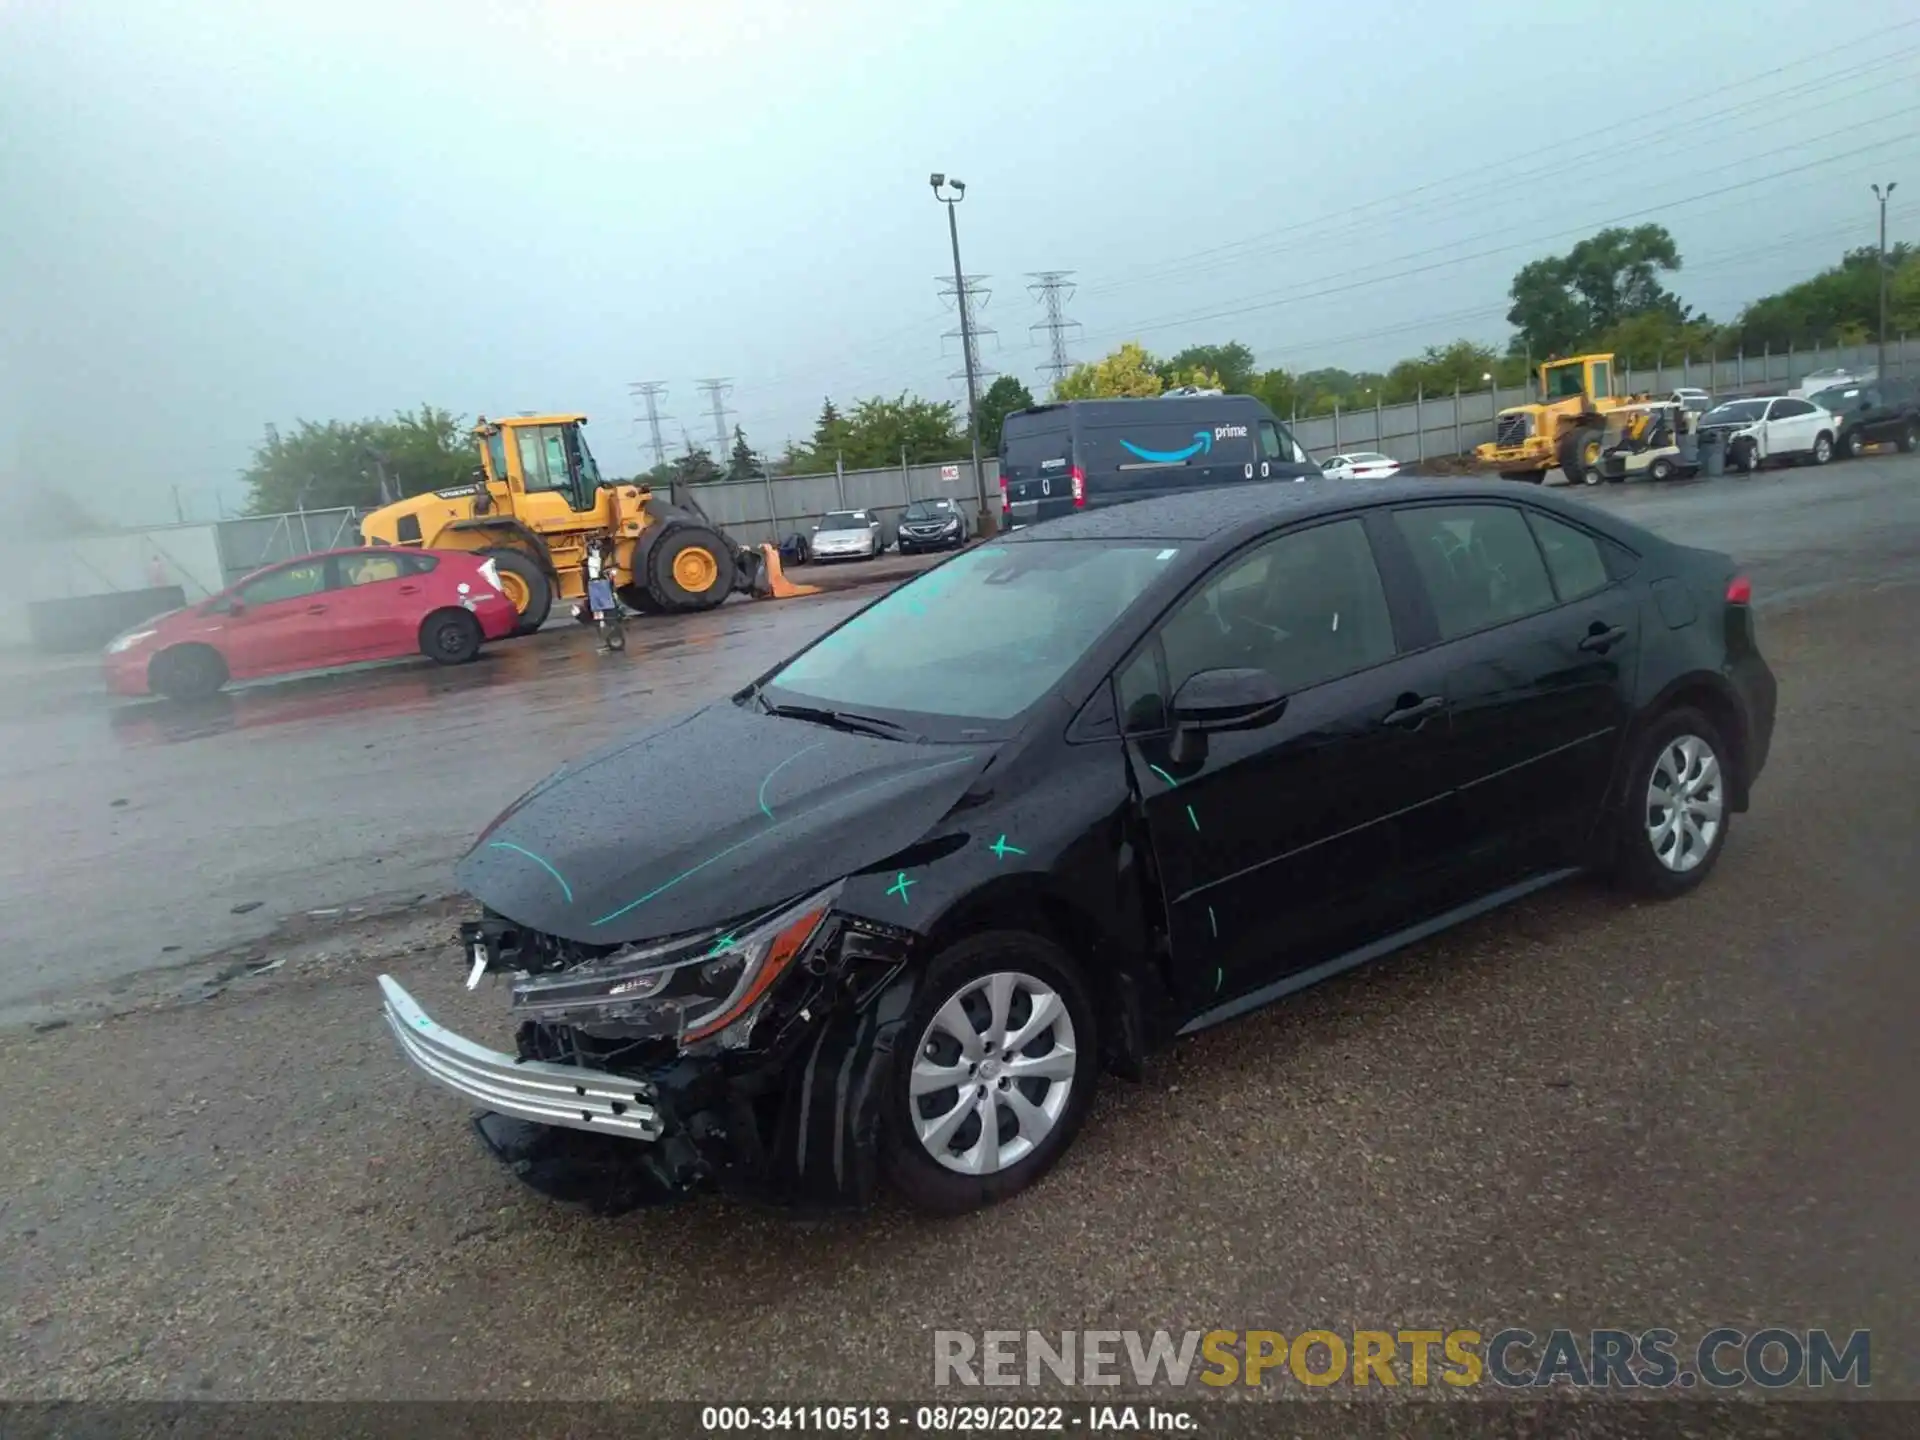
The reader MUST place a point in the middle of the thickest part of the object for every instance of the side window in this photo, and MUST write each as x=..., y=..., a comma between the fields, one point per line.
x=289, y=582
x=1142, y=710
x=1790, y=409
x=1602, y=380
x=1305, y=607
x=497, y=455
x=1270, y=446
x=1479, y=564
x=371, y=569
x=417, y=564
x=1574, y=558
x=543, y=459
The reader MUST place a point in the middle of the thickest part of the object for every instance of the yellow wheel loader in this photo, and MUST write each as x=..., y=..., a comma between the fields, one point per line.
x=538, y=504
x=1563, y=429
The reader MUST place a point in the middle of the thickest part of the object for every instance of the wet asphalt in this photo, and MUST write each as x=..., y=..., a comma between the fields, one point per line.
x=1579, y=1111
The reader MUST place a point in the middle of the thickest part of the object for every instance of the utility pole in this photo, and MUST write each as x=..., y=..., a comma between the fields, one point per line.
x=988, y=520
x=1882, y=196
x=649, y=393
x=1053, y=289
x=716, y=392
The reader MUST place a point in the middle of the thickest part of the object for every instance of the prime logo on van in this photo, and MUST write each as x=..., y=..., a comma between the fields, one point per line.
x=1202, y=444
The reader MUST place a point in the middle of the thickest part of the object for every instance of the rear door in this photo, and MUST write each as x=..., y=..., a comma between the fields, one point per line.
x=1282, y=846
x=1036, y=465
x=1539, y=642
x=380, y=602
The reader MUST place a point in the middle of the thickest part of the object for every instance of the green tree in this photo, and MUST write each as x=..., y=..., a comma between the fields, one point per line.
x=340, y=463
x=695, y=467
x=1003, y=397
x=1563, y=302
x=1839, y=304
x=1128, y=371
x=1439, y=369
x=877, y=430
x=745, y=462
x=1655, y=337
x=1230, y=367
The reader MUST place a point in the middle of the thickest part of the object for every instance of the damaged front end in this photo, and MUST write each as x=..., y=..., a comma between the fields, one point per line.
x=746, y=1058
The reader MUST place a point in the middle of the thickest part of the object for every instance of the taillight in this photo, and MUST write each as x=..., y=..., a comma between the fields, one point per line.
x=1739, y=591
x=1079, y=488
x=1005, y=504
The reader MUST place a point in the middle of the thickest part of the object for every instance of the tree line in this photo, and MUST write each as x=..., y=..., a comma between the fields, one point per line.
x=1607, y=293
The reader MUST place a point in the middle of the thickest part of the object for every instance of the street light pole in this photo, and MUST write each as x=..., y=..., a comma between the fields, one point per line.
x=1881, y=196
x=987, y=518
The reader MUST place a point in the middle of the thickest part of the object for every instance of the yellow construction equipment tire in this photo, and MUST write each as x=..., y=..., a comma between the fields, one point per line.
x=689, y=568
x=526, y=584
x=1579, y=453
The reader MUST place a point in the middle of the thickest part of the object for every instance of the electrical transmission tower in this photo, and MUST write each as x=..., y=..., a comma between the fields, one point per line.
x=650, y=392
x=970, y=331
x=716, y=391
x=1053, y=289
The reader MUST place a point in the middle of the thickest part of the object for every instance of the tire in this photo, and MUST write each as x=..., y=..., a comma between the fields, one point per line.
x=1650, y=858
x=1851, y=444
x=689, y=568
x=1822, y=450
x=958, y=984
x=526, y=585
x=1579, y=452
x=1661, y=469
x=1746, y=457
x=450, y=637
x=186, y=672
x=1909, y=438
x=1592, y=476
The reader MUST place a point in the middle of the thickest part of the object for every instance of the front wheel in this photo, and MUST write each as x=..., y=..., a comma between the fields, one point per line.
x=1000, y=1077
x=1851, y=445
x=1673, y=825
x=1661, y=469
x=186, y=672
x=1822, y=448
x=1909, y=438
x=689, y=568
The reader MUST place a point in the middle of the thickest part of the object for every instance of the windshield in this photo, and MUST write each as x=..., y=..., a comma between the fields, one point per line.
x=1564, y=382
x=985, y=635
x=845, y=520
x=928, y=510
x=1737, y=410
x=1838, y=398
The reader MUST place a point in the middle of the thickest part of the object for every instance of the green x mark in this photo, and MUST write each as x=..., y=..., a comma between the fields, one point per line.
x=899, y=886
x=1001, y=849
x=722, y=943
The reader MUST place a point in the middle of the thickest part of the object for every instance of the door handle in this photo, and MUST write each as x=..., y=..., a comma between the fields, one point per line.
x=1601, y=639
x=409, y=589
x=316, y=609
x=1413, y=711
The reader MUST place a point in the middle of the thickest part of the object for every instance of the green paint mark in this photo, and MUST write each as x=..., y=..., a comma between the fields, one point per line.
x=776, y=770
x=565, y=888
x=899, y=886
x=1193, y=819
x=1212, y=923
x=1172, y=784
x=723, y=942
x=1219, y=979
x=1001, y=849
x=767, y=830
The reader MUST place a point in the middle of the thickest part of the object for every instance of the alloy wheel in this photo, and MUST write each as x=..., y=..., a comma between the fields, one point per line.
x=992, y=1073
x=1686, y=803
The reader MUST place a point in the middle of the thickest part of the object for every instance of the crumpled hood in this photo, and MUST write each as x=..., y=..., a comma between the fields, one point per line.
x=704, y=819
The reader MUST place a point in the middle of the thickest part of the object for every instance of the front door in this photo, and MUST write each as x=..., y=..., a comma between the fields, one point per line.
x=1539, y=646
x=286, y=621
x=1281, y=846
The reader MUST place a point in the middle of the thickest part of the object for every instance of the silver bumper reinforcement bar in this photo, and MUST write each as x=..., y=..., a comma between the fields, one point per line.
x=565, y=1095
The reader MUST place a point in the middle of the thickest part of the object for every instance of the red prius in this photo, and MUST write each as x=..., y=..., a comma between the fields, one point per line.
x=335, y=608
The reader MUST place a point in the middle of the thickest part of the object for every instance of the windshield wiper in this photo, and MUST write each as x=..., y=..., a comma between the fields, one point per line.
x=840, y=720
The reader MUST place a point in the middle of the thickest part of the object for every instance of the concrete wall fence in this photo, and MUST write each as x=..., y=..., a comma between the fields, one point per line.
x=201, y=559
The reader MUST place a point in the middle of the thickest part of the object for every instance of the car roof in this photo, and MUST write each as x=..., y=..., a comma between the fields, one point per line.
x=1200, y=515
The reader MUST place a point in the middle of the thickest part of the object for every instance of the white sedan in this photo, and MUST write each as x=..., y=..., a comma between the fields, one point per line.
x=1360, y=465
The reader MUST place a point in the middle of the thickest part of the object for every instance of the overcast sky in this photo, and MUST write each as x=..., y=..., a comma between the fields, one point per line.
x=224, y=215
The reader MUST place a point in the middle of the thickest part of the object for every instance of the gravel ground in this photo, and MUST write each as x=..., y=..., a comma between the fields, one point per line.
x=1579, y=1111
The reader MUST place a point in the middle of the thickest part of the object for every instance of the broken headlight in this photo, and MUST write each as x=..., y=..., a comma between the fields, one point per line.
x=685, y=990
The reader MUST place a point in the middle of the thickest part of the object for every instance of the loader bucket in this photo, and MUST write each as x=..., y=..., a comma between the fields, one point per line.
x=772, y=583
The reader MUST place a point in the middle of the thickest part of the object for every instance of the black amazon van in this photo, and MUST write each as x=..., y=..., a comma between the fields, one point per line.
x=1055, y=459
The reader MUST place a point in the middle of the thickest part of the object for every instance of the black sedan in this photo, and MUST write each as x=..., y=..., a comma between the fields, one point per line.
x=930, y=525
x=892, y=911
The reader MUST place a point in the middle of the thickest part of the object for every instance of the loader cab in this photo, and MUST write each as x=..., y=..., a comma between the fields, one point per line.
x=1585, y=378
x=542, y=456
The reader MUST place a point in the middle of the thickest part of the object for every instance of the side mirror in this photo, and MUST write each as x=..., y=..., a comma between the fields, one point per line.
x=234, y=605
x=1228, y=699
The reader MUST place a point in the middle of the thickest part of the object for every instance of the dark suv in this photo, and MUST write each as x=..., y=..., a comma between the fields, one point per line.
x=1872, y=412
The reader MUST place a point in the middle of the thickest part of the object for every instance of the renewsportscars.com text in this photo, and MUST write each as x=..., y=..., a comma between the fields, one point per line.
x=1721, y=1359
